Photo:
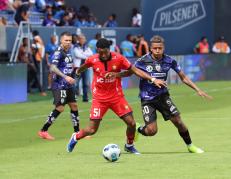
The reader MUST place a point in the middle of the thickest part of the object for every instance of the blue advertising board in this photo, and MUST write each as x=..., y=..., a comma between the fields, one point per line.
x=13, y=83
x=182, y=23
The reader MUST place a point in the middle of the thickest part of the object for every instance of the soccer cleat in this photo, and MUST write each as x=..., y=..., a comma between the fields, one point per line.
x=72, y=143
x=88, y=137
x=131, y=149
x=43, y=94
x=137, y=133
x=194, y=149
x=45, y=135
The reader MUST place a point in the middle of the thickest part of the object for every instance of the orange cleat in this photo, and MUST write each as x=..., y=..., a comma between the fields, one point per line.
x=43, y=94
x=45, y=135
x=87, y=137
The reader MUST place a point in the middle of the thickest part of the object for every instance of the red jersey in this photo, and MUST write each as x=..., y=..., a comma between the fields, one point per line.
x=107, y=89
x=203, y=48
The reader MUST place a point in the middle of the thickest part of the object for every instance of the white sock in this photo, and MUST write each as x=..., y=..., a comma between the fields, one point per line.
x=129, y=145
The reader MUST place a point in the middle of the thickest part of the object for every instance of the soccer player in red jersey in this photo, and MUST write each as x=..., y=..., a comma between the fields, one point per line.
x=108, y=94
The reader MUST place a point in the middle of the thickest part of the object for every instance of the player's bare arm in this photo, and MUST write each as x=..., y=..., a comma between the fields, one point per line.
x=81, y=69
x=69, y=79
x=122, y=74
x=138, y=72
x=192, y=85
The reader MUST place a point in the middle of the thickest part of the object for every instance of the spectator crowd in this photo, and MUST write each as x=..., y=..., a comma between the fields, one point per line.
x=56, y=13
x=220, y=46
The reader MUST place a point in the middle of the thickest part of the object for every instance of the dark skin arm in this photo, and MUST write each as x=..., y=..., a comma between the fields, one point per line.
x=137, y=72
x=192, y=85
x=81, y=69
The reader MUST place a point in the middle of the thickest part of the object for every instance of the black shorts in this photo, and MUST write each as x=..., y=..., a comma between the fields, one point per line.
x=163, y=104
x=62, y=97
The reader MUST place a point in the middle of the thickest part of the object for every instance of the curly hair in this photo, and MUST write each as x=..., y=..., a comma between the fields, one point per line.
x=103, y=43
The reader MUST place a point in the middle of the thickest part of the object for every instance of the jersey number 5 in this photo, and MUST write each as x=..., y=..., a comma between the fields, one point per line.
x=96, y=112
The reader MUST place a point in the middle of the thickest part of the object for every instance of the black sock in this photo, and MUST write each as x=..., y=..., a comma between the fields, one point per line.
x=50, y=119
x=142, y=130
x=186, y=137
x=75, y=120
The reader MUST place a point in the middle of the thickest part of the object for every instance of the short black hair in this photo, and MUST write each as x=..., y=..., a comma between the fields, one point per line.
x=66, y=34
x=98, y=36
x=35, y=33
x=103, y=43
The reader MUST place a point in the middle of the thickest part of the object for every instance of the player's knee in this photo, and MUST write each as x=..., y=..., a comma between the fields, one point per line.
x=151, y=130
x=74, y=107
x=92, y=131
x=179, y=123
x=132, y=124
x=60, y=108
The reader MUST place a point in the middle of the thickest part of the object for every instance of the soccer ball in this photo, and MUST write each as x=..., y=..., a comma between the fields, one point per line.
x=111, y=152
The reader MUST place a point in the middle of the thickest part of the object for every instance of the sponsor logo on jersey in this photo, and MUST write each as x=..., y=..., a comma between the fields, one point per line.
x=67, y=71
x=149, y=68
x=103, y=80
x=68, y=59
x=160, y=75
x=178, y=15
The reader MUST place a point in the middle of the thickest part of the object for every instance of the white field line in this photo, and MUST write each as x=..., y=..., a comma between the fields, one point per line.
x=10, y=120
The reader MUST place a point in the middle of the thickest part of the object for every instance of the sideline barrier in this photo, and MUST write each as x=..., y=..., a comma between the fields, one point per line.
x=13, y=83
x=13, y=77
x=213, y=67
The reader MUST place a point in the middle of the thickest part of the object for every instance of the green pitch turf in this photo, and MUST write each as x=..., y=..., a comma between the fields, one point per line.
x=24, y=155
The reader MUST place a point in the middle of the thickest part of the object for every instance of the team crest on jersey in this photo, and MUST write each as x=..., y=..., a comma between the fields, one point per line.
x=169, y=102
x=56, y=54
x=114, y=67
x=149, y=68
x=146, y=118
x=158, y=67
x=126, y=107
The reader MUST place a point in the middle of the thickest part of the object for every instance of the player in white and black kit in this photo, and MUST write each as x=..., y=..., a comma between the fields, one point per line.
x=157, y=98
x=62, y=85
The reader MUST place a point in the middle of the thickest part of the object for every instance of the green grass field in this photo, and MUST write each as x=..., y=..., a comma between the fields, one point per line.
x=24, y=155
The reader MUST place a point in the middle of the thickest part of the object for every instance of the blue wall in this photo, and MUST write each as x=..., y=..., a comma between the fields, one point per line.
x=181, y=32
x=13, y=83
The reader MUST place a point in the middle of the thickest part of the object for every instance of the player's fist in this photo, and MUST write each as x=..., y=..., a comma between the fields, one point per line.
x=111, y=75
x=204, y=95
x=70, y=80
x=159, y=83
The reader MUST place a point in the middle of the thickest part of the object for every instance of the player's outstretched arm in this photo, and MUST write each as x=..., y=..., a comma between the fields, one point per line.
x=121, y=74
x=188, y=82
x=81, y=69
x=69, y=79
x=142, y=74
